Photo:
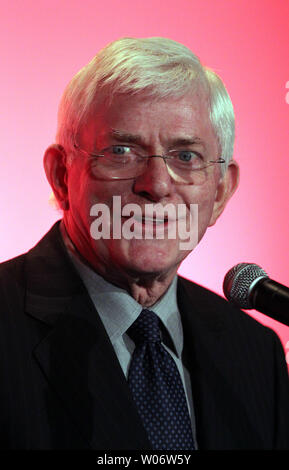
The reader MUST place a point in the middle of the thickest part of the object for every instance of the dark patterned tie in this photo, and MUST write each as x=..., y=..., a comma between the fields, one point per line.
x=157, y=388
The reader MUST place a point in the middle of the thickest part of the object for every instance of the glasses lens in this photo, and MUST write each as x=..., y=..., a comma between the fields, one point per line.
x=186, y=176
x=117, y=166
x=112, y=165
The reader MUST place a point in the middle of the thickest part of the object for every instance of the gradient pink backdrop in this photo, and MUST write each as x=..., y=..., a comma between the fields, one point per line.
x=44, y=43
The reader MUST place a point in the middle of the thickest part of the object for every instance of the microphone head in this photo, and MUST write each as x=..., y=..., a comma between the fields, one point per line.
x=239, y=281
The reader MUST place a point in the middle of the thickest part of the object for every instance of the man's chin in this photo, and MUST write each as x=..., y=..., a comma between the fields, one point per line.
x=148, y=257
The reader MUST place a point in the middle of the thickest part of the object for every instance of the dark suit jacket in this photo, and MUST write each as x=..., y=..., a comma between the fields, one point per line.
x=61, y=385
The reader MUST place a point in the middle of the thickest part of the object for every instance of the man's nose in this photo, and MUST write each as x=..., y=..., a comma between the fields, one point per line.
x=155, y=182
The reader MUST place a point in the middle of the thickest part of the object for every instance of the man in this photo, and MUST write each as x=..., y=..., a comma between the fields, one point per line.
x=103, y=346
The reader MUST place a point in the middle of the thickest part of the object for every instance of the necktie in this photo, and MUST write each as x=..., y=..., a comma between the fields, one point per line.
x=157, y=388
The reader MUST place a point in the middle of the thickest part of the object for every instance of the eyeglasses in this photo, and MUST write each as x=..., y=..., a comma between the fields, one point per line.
x=126, y=162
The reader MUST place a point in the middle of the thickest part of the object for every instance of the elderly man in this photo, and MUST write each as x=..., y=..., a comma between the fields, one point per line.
x=103, y=346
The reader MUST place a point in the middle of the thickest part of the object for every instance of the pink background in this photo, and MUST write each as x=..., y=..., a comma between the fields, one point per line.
x=45, y=42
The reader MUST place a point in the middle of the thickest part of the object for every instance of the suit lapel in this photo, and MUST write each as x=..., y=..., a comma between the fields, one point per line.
x=202, y=333
x=221, y=385
x=76, y=355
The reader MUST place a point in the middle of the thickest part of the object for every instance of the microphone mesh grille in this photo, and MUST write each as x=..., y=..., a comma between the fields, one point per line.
x=238, y=281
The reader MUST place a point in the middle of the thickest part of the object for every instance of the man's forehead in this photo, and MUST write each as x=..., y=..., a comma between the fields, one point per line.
x=127, y=119
x=102, y=106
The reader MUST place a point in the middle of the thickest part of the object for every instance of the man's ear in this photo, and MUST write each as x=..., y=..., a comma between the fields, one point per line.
x=55, y=166
x=225, y=190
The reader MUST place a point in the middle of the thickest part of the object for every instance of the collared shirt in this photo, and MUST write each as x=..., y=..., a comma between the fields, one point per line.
x=118, y=310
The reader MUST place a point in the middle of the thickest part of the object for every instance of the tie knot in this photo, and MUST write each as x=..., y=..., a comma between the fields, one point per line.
x=145, y=328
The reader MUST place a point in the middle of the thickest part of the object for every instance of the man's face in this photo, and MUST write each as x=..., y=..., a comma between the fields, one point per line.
x=158, y=125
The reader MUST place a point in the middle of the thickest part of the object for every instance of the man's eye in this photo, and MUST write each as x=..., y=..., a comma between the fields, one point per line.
x=120, y=150
x=188, y=156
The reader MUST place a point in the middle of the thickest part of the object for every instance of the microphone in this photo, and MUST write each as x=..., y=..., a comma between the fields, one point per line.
x=248, y=286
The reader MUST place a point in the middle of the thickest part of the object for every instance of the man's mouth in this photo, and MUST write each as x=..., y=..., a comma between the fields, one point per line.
x=150, y=221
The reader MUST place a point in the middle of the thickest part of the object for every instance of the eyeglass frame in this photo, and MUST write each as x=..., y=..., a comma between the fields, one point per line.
x=164, y=157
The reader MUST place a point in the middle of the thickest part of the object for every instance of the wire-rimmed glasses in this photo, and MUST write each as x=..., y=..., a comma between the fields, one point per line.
x=127, y=162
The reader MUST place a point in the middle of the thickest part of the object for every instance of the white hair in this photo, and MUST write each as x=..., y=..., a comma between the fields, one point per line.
x=155, y=67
